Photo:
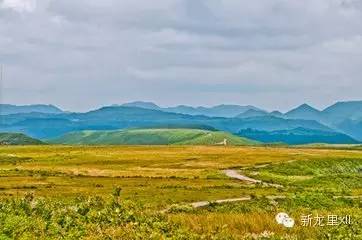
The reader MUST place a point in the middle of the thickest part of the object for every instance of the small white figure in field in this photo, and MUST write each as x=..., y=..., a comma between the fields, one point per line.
x=280, y=217
x=284, y=219
x=288, y=222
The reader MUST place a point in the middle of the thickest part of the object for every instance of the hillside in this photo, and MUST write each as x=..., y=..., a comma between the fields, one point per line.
x=298, y=136
x=17, y=139
x=152, y=137
x=352, y=128
x=341, y=111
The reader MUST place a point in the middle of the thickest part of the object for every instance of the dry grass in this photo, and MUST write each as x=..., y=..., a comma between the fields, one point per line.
x=159, y=176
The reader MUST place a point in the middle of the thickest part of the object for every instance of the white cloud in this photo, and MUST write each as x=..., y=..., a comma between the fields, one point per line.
x=19, y=5
x=351, y=45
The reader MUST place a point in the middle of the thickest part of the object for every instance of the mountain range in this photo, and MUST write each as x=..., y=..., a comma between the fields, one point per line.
x=6, y=109
x=223, y=110
x=339, y=123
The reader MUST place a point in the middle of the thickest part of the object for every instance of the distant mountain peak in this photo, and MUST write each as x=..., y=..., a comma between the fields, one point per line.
x=304, y=108
x=304, y=111
x=141, y=104
x=252, y=113
x=350, y=105
x=235, y=106
x=40, y=108
x=341, y=111
x=222, y=110
x=276, y=113
x=353, y=102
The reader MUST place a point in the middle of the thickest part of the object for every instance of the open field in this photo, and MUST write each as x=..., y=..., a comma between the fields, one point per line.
x=158, y=182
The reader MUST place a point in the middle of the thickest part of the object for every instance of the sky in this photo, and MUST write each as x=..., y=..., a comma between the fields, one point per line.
x=273, y=54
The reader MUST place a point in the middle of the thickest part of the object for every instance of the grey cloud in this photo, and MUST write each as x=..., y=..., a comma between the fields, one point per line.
x=155, y=50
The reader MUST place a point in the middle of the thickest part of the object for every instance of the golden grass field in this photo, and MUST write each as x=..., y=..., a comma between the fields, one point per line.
x=319, y=181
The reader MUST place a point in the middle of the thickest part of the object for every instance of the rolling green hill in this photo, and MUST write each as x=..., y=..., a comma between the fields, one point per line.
x=18, y=139
x=298, y=136
x=152, y=137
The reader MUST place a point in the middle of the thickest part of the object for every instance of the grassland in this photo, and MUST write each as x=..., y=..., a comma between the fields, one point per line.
x=151, y=137
x=158, y=178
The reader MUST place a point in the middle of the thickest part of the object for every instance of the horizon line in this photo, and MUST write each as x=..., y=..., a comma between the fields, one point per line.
x=179, y=105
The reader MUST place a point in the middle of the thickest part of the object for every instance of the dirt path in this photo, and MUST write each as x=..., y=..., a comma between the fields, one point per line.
x=248, y=198
x=206, y=203
x=220, y=201
x=234, y=174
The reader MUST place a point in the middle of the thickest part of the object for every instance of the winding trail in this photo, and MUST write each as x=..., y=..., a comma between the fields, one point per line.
x=206, y=203
x=248, y=198
x=234, y=174
x=228, y=200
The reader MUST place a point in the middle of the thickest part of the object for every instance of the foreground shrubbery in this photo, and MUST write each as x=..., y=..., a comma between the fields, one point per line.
x=97, y=218
x=90, y=218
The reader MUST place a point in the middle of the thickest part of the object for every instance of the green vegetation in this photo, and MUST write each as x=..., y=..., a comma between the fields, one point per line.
x=144, y=192
x=331, y=146
x=298, y=136
x=333, y=175
x=85, y=218
x=152, y=137
x=17, y=139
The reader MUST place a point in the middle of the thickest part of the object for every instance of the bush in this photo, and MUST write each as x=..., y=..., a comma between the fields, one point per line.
x=92, y=218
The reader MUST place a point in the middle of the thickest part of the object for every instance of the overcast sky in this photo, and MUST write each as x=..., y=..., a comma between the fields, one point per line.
x=274, y=54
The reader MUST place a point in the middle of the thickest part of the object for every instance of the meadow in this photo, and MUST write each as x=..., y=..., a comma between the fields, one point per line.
x=146, y=192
